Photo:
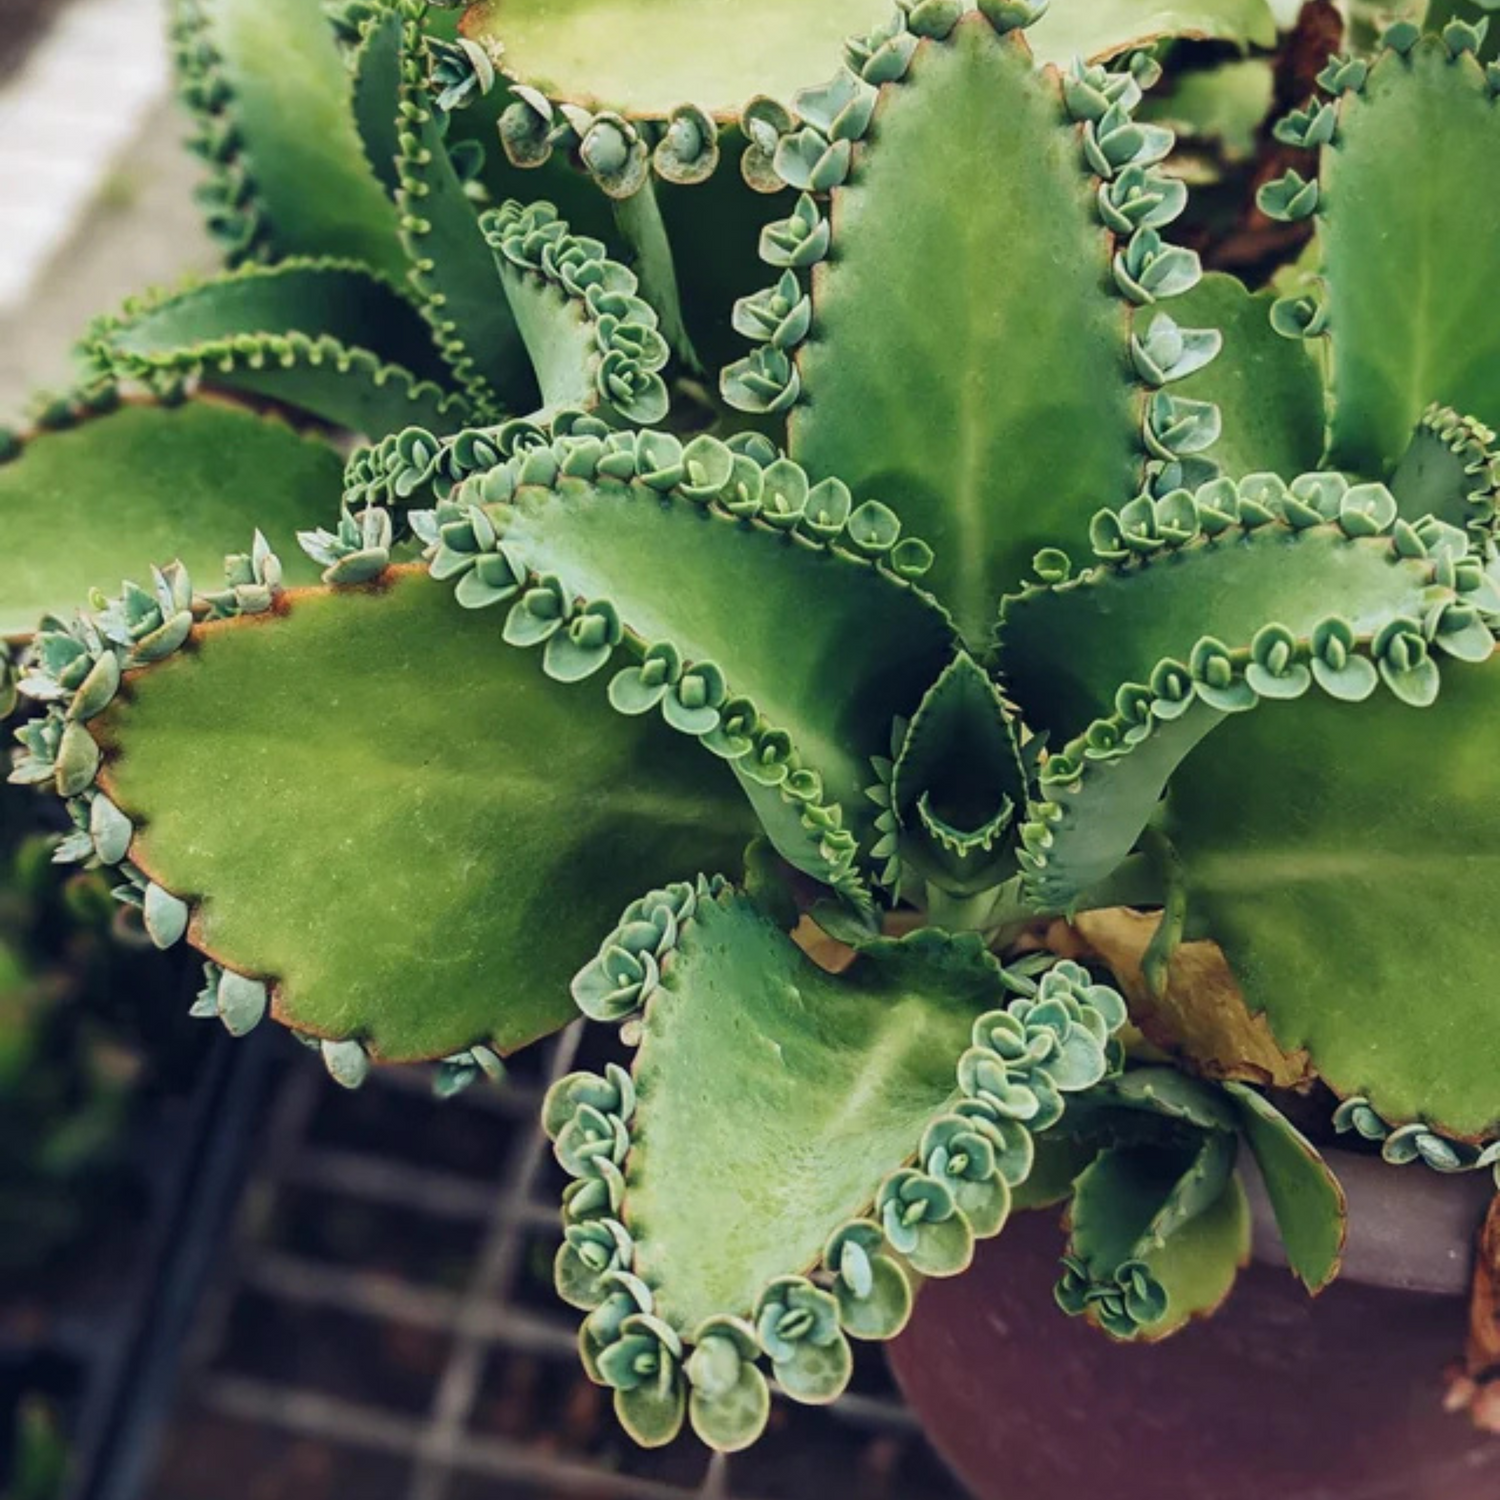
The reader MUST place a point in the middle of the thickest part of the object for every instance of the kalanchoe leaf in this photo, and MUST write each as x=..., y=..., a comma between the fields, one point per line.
x=1288, y=198
x=1157, y=1232
x=799, y=241
x=729, y=1401
x=688, y=151
x=643, y=1365
x=591, y=1251
x=359, y=551
x=925, y=1217
x=873, y=1292
x=954, y=784
x=763, y=382
x=797, y=1325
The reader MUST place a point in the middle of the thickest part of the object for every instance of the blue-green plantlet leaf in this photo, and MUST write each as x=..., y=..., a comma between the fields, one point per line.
x=874, y=1293
x=797, y=1324
x=729, y=1400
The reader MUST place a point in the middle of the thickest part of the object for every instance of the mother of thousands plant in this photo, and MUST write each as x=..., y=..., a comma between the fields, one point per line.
x=1012, y=569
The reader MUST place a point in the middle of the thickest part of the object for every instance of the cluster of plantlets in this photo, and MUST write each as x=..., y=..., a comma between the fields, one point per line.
x=1011, y=569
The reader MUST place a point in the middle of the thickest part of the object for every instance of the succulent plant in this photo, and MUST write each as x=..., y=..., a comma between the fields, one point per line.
x=1012, y=569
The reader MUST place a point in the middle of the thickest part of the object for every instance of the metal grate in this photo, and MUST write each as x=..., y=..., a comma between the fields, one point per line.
x=383, y=1318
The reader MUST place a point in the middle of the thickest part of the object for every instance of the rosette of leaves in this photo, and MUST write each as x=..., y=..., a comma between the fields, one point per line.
x=396, y=810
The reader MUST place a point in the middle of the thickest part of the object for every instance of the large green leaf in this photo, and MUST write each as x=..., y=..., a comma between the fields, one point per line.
x=1415, y=323
x=1451, y=470
x=1066, y=651
x=593, y=343
x=820, y=1086
x=969, y=368
x=784, y=1122
x=1102, y=28
x=1268, y=388
x=399, y=819
x=452, y=269
x=829, y=648
x=1243, y=593
x=648, y=56
x=1198, y=1265
x=1344, y=858
x=272, y=96
x=324, y=336
x=81, y=506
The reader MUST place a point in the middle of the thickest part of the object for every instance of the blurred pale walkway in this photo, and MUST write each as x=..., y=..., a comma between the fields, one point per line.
x=95, y=191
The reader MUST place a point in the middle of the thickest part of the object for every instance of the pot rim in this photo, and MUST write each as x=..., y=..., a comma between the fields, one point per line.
x=1410, y=1229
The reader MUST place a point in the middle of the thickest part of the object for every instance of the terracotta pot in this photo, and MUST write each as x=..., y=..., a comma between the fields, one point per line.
x=1276, y=1396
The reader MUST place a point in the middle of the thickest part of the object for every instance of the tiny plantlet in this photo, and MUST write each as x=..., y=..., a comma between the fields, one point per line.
x=758, y=545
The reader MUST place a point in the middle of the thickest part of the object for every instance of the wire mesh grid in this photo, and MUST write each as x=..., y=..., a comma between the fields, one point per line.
x=383, y=1318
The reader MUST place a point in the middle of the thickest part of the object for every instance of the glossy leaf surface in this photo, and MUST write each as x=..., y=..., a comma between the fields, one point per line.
x=399, y=818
